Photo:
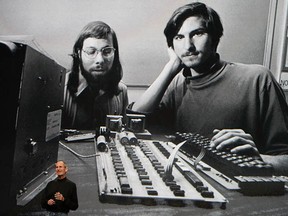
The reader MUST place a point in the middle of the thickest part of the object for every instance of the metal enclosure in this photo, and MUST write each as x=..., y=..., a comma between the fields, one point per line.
x=31, y=94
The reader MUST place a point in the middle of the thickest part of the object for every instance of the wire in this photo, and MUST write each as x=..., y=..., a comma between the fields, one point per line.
x=75, y=153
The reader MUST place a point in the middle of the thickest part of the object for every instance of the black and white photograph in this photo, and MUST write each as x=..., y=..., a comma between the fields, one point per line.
x=144, y=107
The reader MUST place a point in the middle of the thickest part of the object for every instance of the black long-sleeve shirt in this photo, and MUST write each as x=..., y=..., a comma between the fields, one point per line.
x=69, y=191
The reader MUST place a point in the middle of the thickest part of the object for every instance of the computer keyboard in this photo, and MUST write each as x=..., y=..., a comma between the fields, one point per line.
x=253, y=175
x=226, y=162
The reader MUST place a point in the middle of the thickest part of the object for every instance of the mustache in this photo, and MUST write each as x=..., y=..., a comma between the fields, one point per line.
x=97, y=68
x=189, y=53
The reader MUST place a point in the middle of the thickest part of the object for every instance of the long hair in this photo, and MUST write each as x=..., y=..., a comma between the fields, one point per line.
x=213, y=22
x=99, y=30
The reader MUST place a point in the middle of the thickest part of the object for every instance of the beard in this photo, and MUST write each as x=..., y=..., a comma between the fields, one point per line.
x=93, y=77
x=96, y=79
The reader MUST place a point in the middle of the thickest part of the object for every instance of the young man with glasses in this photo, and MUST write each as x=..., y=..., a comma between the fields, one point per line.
x=94, y=87
x=240, y=107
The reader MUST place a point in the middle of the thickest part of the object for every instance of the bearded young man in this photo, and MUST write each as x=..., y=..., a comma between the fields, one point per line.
x=94, y=88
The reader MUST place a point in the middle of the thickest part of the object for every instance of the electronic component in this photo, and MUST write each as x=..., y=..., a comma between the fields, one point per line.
x=114, y=123
x=226, y=162
x=101, y=143
x=103, y=130
x=136, y=123
x=127, y=138
x=261, y=185
x=32, y=87
x=123, y=138
x=249, y=172
x=102, y=137
x=80, y=137
x=136, y=170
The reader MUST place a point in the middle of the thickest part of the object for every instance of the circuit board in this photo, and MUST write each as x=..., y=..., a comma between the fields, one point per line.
x=136, y=172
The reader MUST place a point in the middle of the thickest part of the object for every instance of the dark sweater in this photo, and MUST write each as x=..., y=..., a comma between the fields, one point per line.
x=234, y=96
x=69, y=191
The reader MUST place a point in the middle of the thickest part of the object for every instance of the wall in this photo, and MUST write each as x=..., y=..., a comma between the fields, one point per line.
x=139, y=25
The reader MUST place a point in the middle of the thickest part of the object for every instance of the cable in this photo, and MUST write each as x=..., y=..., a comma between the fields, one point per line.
x=169, y=165
x=75, y=153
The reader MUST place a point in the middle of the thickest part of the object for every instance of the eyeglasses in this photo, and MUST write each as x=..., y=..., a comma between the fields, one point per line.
x=106, y=52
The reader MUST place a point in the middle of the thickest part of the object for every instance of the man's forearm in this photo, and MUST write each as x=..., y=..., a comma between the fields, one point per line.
x=153, y=95
x=279, y=162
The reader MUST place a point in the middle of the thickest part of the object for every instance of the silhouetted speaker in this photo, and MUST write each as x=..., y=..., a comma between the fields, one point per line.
x=31, y=99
